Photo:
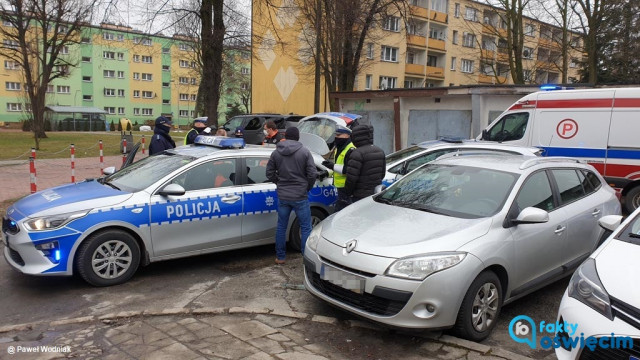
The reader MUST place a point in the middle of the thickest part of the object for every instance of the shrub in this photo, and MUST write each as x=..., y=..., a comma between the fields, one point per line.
x=128, y=125
x=27, y=125
x=119, y=126
x=112, y=127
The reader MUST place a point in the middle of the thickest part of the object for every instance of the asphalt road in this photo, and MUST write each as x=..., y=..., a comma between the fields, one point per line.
x=245, y=278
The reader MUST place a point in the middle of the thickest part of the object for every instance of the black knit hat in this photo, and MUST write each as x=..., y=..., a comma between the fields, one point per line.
x=292, y=133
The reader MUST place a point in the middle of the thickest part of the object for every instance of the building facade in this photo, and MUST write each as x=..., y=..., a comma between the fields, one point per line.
x=130, y=75
x=444, y=43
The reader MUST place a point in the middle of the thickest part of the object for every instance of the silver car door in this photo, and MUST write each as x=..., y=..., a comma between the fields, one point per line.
x=208, y=215
x=260, y=201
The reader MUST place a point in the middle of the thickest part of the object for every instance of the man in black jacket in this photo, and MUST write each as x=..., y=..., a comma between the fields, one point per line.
x=367, y=165
x=292, y=169
x=161, y=139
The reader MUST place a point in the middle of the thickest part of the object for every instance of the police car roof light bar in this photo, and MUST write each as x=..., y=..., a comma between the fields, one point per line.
x=221, y=142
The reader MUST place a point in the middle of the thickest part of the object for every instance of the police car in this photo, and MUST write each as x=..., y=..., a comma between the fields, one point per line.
x=187, y=201
x=406, y=160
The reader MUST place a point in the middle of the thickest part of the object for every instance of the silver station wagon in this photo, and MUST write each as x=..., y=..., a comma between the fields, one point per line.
x=450, y=243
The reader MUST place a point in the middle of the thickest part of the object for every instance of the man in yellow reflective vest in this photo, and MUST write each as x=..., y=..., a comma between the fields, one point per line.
x=344, y=146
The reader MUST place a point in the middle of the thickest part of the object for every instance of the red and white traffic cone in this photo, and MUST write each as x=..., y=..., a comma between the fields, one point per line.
x=32, y=171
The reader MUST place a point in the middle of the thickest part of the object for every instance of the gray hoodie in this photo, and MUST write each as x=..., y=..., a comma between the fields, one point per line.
x=292, y=169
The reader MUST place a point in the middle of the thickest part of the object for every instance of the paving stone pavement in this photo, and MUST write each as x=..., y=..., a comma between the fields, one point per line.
x=235, y=333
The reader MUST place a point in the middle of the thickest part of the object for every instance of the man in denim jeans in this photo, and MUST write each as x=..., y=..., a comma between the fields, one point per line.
x=292, y=169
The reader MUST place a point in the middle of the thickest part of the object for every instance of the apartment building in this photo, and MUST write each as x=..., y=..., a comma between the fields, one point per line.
x=444, y=43
x=128, y=74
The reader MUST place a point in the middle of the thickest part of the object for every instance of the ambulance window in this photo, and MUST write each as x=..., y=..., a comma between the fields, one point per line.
x=213, y=174
x=510, y=127
x=569, y=185
x=257, y=170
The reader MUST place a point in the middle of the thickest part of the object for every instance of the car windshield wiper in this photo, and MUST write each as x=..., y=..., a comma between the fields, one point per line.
x=633, y=235
x=429, y=210
x=110, y=184
x=382, y=200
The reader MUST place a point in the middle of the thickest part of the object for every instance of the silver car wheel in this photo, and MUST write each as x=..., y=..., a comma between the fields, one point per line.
x=111, y=259
x=485, y=307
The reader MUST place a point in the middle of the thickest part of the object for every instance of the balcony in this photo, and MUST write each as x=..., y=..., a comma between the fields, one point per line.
x=436, y=44
x=418, y=11
x=488, y=54
x=546, y=42
x=503, y=56
x=439, y=17
x=414, y=69
x=417, y=40
x=491, y=79
x=435, y=72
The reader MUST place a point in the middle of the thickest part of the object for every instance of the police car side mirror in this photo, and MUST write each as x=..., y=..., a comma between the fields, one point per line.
x=172, y=190
x=379, y=188
x=110, y=170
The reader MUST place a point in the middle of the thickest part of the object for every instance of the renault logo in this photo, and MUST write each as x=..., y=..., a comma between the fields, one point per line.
x=351, y=245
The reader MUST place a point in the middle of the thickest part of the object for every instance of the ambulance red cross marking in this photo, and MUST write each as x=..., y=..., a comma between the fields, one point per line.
x=567, y=128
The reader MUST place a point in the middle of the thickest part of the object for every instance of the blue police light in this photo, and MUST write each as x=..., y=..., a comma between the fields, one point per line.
x=550, y=87
x=221, y=142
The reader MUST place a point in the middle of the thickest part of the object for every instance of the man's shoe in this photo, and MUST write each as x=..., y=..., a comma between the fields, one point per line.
x=279, y=262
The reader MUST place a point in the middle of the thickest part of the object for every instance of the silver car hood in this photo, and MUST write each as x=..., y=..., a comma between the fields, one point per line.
x=617, y=266
x=395, y=232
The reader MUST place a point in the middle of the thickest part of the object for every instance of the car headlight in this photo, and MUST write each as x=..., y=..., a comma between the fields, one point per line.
x=585, y=286
x=52, y=222
x=314, y=237
x=419, y=267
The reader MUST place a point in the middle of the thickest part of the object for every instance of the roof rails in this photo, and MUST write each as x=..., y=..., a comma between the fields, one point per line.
x=540, y=160
x=473, y=152
x=453, y=140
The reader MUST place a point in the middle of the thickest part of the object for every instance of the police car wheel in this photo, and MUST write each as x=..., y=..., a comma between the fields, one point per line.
x=480, y=308
x=295, y=234
x=108, y=258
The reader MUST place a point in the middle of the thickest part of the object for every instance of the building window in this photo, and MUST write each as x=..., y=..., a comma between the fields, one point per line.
x=439, y=5
x=471, y=14
x=109, y=55
x=184, y=113
x=389, y=54
x=454, y=37
x=136, y=58
x=50, y=88
x=165, y=68
x=11, y=44
x=193, y=97
x=136, y=111
x=183, y=80
x=64, y=50
x=194, y=81
x=87, y=98
x=166, y=101
x=86, y=59
x=183, y=47
x=391, y=23
x=387, y=82
x=530, y=30
x=184, y=63
x=432, y=61
x=147, y=77
x=468, y=40
x=147, y=111
x=136, y=93
x=109, y=73
x=147, y=94
x=244, y=71
x=184, y=97
x=110, y=110
x=11, y=65
x=146, y=42
x=408, y=84
x=14, y=107
x=13, y=86
x=244, y=86
x=64, y=89
x=466, y=66
x=527, y=75
x=109, y=92
x=107, y=36
x=85, y=40
x=367, y=81
x=574, y=63
x=120, y=111
x=120, y=74
x=370, y=51
x=121, y=92
x=456, y=10
x=86, y=78
x=120, y=56
x=166, y=84
x=62, y=69
x=166, y=50
x=527, y=53
x=453, y=64
x=147, y=59
x=136, y=76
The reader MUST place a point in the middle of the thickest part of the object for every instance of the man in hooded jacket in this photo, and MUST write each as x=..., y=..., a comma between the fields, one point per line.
x=366, y=166
x=292, y=169
x=161, y=139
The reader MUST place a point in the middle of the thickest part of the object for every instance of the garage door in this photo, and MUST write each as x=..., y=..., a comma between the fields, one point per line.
x=382, y=122
x=436, y=124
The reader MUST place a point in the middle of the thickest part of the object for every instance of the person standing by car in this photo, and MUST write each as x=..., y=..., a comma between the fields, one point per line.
x=271, y=134
x=366, y=166
x=292, y=169
x=344, y=147
x=161, y=139
x=199, y=128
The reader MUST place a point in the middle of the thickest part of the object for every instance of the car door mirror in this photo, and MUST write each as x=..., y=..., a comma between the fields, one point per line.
x=610, y=222
x=485, y=135
x=110, y=170
x=172, y=190
x=379, y=188
x=531, y=215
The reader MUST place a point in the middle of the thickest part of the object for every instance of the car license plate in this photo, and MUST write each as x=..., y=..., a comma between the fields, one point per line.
x=342, y=278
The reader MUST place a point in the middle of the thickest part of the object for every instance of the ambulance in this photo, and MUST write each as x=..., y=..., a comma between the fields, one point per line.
x=600, y=126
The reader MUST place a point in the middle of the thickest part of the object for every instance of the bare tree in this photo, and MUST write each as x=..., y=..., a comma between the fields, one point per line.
x=39, y=35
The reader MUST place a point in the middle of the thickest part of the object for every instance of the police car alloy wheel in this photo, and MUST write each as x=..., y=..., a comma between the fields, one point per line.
x=480, y=307
x=108, y=258
x=296, y=234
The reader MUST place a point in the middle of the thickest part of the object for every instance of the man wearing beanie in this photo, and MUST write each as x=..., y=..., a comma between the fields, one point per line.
x=292, y=169
x=366, y=166
x=161, y=139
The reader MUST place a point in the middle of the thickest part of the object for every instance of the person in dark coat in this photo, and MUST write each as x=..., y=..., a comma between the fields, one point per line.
x=367, y=165
x=161, y=139
x=292, y=169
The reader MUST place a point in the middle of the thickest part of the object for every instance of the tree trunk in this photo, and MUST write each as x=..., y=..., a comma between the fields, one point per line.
x=213, y=30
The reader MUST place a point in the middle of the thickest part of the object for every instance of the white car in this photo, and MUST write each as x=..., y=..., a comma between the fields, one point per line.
x=603, y=297
x=406, y=160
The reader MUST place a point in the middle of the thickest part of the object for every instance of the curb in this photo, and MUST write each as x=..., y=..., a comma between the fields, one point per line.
x=109, y=318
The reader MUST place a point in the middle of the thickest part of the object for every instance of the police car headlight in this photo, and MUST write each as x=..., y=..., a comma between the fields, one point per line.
x=586, y=287
x=419, y=267
x=52, y=222
x=314, y=237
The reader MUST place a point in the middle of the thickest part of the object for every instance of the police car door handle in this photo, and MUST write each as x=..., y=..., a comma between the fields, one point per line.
x=560, y=229
x=230, y=199
x=595, y=212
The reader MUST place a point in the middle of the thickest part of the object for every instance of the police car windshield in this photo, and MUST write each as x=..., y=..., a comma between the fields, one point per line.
x=459, y=191
x=141, y=174
x=402, y=154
